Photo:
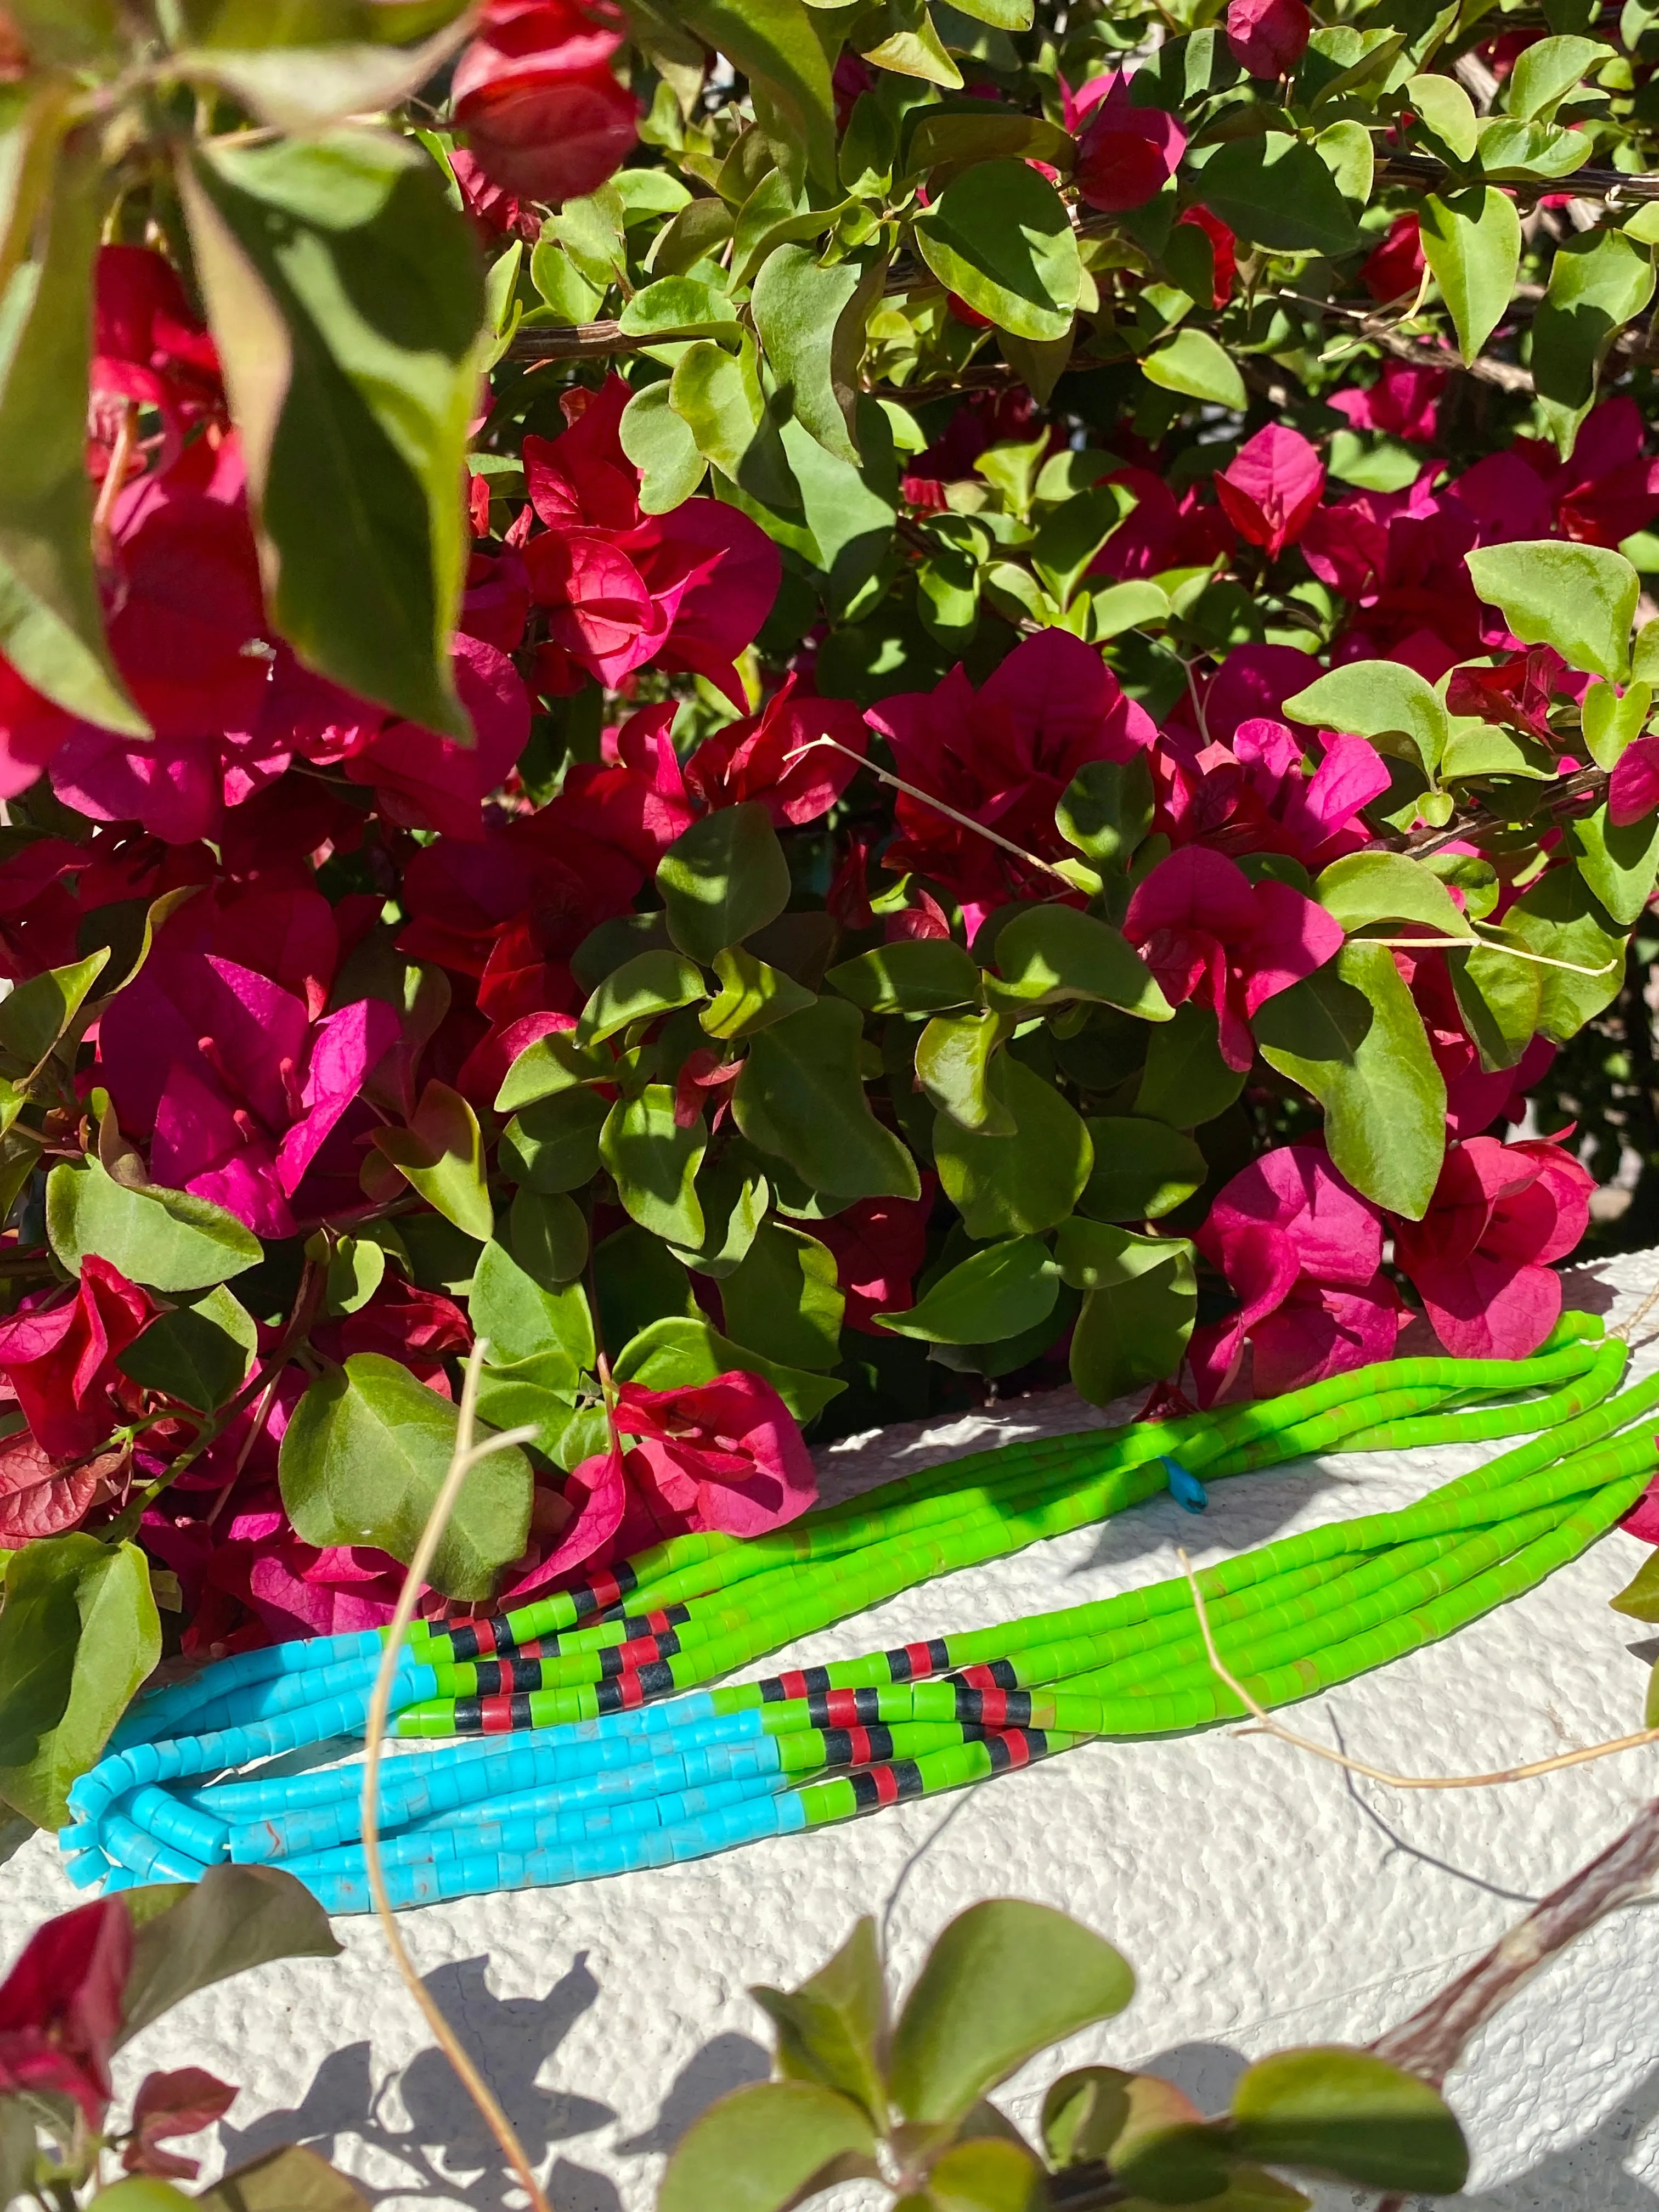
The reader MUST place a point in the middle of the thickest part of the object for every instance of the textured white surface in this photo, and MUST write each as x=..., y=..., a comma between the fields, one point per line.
x=1264, y=1897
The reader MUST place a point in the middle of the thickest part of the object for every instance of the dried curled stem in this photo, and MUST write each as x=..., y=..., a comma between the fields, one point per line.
x=467, y=1457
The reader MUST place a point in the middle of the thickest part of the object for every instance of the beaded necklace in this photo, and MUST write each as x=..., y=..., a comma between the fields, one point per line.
x=624, y=1760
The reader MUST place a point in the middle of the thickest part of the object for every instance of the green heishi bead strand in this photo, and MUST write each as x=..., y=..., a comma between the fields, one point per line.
x=1484, y=1423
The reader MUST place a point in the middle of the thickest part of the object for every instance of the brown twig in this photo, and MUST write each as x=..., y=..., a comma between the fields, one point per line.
x=467, y=1455
x=1265, y=1724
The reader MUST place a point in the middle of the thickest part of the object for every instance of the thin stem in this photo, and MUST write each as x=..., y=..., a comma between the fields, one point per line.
x=467, y=1455
x=1488, y=945
x=1267, y=1725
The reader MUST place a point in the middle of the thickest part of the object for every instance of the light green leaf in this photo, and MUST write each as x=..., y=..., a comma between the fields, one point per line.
x=682, y=307
x=52, y=624
x=1611, y=722
x=662, y=448
x=752, y=995
x=1051, y=954
x=1442, y=103
x=1074, y=532
x=1364, y=888
x=361, y=1460
x=292, y=2179
x=675, y=1352
x=1003, y=1980
x=1579, y=598
x=1472, y=241
x=954, y=1056
x=346, y=301
x=901, y=36
x=914, y=975
x=1545, y=73
x=654, y=1162
x=1350, y=2113
x=734, y=1204
x=986, y=2173
x=723, y=878
x=784, y=1300
x=170, y=1239
x=78, y=1633
x=1619, y=864
x=555, y=1062
x=1143, y=1168
x=1276, y=192
x=1559, y=918
x=801, y=1096
x=356, y=1268
x=302, y=88
x=1599, y=281
x=719, y=395
x=1382, y=700
x=440, y=1154
x=200, y=1353
x=1351, y=1034
x=1345, y=148
x=650, y=984
x=999, y=237
x=992, y=1295
x=832, y=2027
x=1021, y=1184
x=810, y=321
x=760, y=2148
x=1190, y=361
x=1107, y=808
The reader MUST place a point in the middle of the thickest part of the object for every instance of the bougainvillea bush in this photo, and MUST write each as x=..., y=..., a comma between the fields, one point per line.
x=803, y=710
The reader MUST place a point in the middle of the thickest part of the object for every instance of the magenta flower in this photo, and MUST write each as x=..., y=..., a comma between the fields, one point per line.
x=1259, y=797
x=1633, y=786
x=1480, y=1256
x=1211, y=935
x=60, y=2006
x=1271, y=487
x=59, y=1357
x=1268, y=38
x=880, y=1246
x=1608, y=489
x=238, y=1087
x=1402, y=403
x=1125, y=153
x=762, y=757
x=634, y=797
x=1303, y=1251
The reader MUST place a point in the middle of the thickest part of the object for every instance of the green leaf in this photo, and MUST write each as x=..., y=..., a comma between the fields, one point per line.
x=1084, y=2114
x=1351, y=1034
x=987, y=2173
x=1560, y=918
x=1613, y=721
x=1050, y=955
x=902, y=37
x=553, y=1063
x=356, y=1268
x=51, y=625
x=200, y=1353
x=1599, y=281
x=915, y=975
x=734, y=1204
x=994, y=1294
x=292, y=2179
x=798, y=308
x=1096, y=1256
x=832, y=2027
x=1499, y=999
x=1275, y=191
x=999, y=237
x=954, y=1057
x=679, y=307
x=773, y=42
x=676, y=1353
x=346, y=300
x=300, y=88
x=1190, y=361
x=1619, y=864
x=1472, y=241
x=1345, y=148
x=78, y=1633
x=723, y=878
x=169, y=1240
x=38, y=1012
x=235, y=1918
x=801, y=1096
x=1071, y=536
x=760, y=2148
x=1186, y=1081
x=1107, y=808
x=752, y=995
x=1022, y=1184
x=1142, y=1168
x=361, y=1461
x=1364, y=888
x=524, y=1320
x=1382, y=700
x=548, y=1236
x=1639, y=1598
x=784, y=1300
x=1579, y=598
x=565, y=290
x=649, y=984
x=554, y=1145
x=655, y=1161
x=441, y=1155
x=1134, y=1325
x=1003, y=1980
x=719, y=395
x=1352, y=2114
x=1544, y=74
x=662, y=448
x=1442, y=103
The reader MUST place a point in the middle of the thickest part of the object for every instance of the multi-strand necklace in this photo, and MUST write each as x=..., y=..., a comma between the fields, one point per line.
x=606, y=1769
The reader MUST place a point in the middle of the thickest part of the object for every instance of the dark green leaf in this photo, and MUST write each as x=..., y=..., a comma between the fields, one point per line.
x=78, y=1634
x=954, y=1055
x=1351, y=1034
x=1275, y=191
x=1003, y=1981
x=1618, y=863
x=734, y=1202
x=440, y=1154
x=361, y=1461
x=554, y=1145
x=1050, y=954
x=798, y=308
x=1017, y=1185
x=169, y=1239
x=1134, y=1331
x=801, y=1096
x=723, y=878
x=783, y=1299
x=773, y=42
x=200, y=1353
x=1350, y=2113
x=523, y=1319
x=548, y=1236
x=1142, y=1168
x=752, y=995
x=1640, y=1597
x=36, y=1013
x=236, y=1918
x=994, y=1294
x=649, y=984
x=347, y=302
x=832, y=2027
x=677, y=1351
x=1186, y=1080
x=1084, y=2114
x=1000, y=238
x=654, y=1162
x=917, y=975
x=757, y=2150
x=1107, y=808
